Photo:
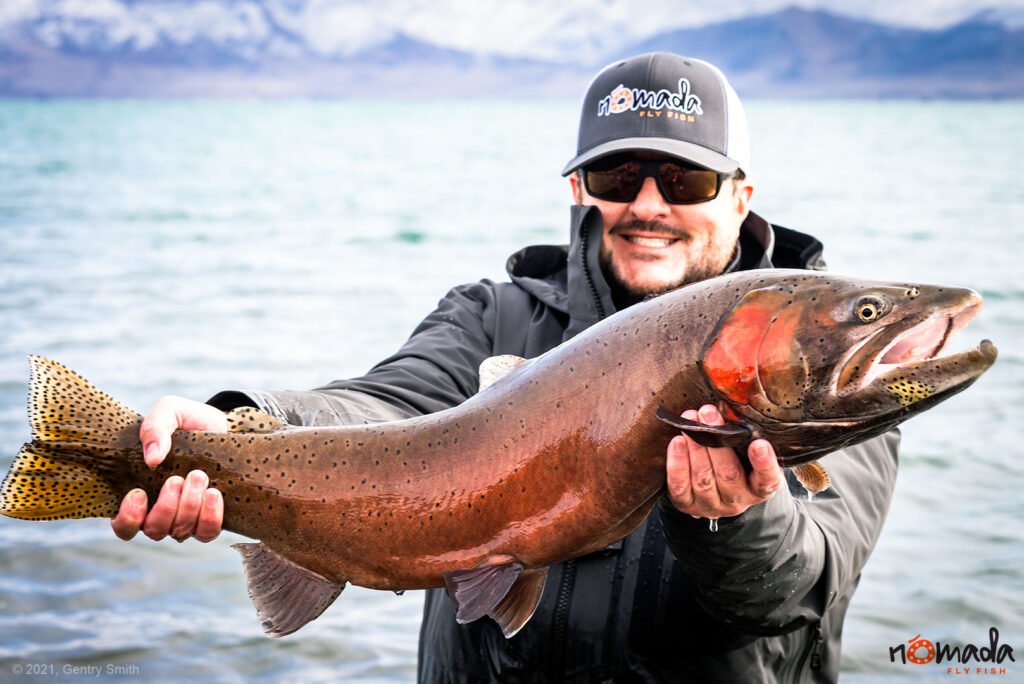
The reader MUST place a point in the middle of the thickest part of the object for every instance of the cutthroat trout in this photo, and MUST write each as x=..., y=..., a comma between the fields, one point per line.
x=555, y=457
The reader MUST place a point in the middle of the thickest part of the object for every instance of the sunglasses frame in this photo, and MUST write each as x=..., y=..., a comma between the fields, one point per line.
x=649, y=168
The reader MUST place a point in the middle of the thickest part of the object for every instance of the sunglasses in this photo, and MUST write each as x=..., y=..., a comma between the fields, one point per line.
x=620, y=180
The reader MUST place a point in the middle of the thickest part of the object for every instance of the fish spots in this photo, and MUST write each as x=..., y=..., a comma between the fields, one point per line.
x=910, y=391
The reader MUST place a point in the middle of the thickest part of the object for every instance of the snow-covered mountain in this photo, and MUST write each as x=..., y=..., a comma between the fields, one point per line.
x=414, y=48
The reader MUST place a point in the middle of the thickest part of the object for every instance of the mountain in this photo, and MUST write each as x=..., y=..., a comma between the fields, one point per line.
x=804, y=53
x=245, y=49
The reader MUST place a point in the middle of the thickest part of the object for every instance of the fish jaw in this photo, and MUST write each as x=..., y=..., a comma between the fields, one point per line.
x=797, y=366
x=902, y=367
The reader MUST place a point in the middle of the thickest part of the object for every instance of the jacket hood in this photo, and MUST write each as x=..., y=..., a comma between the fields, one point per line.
x=569, y=279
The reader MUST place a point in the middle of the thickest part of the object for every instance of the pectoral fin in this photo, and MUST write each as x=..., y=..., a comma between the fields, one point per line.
x=287, y=596
x=478, y=591
x=812, y=476
x=516, y=609
x=729, y=435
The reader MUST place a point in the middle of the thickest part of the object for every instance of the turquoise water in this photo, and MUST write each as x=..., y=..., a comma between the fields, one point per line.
x=188, y=247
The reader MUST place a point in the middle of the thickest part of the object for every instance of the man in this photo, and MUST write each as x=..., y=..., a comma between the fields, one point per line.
x=661, y=199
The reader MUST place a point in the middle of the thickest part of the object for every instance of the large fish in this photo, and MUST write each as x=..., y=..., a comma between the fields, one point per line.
x=560, y=456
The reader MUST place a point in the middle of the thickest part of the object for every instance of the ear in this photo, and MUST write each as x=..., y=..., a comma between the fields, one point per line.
x=577, y=187
x=742, y=194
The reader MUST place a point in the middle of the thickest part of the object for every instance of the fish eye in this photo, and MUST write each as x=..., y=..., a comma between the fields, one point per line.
x=870, y=309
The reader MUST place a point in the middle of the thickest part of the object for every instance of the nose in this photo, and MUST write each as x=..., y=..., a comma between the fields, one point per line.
x=649, y=204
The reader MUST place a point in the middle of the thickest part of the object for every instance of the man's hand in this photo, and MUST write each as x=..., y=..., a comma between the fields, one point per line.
x=186, y=507
x=712, y=483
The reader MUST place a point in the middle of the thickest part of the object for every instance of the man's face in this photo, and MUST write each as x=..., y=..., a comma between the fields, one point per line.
x=650, y=246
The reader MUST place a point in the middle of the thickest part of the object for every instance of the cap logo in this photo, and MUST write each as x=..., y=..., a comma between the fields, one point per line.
x=623, y=99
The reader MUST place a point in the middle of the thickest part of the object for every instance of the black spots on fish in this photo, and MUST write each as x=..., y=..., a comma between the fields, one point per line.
x=910, y=391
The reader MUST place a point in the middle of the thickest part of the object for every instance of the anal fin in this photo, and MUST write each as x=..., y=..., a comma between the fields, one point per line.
x=286, y=595
x=516, y=609
x=812, y=476
x=477, y=591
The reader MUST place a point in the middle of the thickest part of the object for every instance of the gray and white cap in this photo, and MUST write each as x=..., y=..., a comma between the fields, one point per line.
x=663, y=102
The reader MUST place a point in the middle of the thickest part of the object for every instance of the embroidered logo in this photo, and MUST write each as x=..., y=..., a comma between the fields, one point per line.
x=623, y=99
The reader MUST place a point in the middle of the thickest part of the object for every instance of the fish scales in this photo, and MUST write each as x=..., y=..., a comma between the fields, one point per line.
x=560, y=457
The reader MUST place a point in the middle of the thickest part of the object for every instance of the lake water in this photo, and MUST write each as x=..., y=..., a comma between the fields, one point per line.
x=189, y=247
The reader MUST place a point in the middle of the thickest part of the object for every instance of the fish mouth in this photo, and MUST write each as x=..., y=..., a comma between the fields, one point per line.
x=916, y=344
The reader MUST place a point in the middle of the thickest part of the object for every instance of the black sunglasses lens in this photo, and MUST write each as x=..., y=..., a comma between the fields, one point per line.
x=621, y=181
x=618, y=184
x=682, y=185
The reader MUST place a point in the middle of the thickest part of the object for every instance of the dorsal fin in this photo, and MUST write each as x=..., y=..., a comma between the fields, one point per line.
x=495, y=368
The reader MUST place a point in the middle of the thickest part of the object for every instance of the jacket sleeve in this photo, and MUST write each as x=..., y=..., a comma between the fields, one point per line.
x=437, y=368
x=783, y=563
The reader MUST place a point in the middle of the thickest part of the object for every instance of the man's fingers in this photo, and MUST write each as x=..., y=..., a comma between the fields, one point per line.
x=680, y=493
x=173, y=413
x=211, y=516
x=766, y=477
x=155, y=433
x=161, y=517
x=189, y=505
x=131, y=515
x=709, y=415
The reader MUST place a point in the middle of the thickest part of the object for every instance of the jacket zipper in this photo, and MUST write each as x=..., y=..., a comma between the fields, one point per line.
x=584, y=246
x=814, y=649
x=556, y=662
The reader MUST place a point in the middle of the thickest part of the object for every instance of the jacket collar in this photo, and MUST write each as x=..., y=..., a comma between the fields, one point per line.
x=568, y=278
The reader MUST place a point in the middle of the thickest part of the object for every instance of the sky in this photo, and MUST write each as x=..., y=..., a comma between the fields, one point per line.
x=570, y=30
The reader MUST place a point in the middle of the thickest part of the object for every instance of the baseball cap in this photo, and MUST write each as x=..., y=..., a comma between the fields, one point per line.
x=659, y=101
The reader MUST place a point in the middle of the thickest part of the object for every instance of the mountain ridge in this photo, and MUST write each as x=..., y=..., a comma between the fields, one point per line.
x=791, y=52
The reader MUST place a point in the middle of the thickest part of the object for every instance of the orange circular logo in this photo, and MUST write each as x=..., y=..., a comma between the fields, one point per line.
x=921, y=651
x=622, y=99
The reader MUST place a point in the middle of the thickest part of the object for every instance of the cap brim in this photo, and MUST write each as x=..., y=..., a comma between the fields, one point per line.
x=695, y=154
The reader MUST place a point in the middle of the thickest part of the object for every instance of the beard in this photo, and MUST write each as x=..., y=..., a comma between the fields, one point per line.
x=711, y=261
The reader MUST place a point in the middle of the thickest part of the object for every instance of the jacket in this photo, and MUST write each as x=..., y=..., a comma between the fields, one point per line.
x=762, y=599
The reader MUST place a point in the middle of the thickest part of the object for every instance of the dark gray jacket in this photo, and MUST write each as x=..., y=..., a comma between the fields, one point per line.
x=760, y=600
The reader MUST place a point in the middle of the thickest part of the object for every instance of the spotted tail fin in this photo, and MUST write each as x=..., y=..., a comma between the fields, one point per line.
x=79, y=435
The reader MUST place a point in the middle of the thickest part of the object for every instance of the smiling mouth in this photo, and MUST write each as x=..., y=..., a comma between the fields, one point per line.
x=643, y=241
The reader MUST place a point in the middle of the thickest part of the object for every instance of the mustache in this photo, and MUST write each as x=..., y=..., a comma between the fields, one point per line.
x=638, y=226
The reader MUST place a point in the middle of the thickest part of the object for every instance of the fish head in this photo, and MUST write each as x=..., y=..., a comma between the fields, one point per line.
x=813, y=362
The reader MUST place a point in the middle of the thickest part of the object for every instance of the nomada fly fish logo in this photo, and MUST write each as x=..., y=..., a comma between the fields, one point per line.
x=623, y=99
x=918, y=651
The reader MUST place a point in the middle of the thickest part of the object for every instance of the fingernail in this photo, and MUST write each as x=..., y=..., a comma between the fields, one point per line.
x=707, y=413
x=760, y=451
x=195, y=477
x=137, y=498
x=149, y=452
x=211, y=499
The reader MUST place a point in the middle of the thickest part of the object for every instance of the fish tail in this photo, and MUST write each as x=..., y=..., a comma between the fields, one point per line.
x=80, y=436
